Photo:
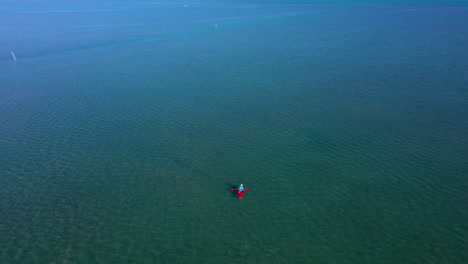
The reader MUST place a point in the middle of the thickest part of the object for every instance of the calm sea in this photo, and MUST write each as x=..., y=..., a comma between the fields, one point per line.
x=124, y=127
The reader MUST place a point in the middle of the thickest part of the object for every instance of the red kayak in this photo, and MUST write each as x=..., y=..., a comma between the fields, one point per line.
x=240, y=194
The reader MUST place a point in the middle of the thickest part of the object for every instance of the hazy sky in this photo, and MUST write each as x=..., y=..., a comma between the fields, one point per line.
x=236, y=1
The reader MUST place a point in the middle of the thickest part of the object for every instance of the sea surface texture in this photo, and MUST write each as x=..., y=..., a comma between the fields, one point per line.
x=124, y=126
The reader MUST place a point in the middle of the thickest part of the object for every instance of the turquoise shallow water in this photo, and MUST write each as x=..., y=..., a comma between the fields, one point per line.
x=348, y=124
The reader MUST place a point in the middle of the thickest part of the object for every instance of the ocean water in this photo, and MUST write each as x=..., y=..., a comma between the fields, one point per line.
x=123, y=128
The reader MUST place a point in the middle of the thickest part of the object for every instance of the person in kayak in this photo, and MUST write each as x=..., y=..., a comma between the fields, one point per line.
x=241, y=188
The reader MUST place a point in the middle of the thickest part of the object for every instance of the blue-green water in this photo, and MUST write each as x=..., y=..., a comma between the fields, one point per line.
x=123, y=128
